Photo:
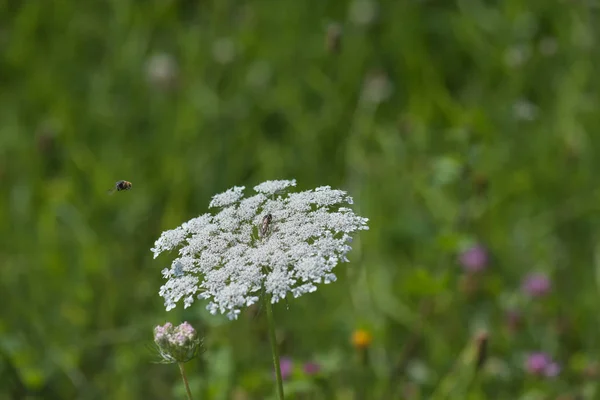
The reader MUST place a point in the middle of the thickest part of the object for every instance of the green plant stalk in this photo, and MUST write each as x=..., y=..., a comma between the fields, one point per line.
x=361, y=380
x=185, y=381
x=458, y=380
x=274, y=349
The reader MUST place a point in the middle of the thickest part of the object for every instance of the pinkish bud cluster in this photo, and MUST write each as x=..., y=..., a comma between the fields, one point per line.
x=541, y=364
x=537, y=285
x=474, y=259
x=176, y=343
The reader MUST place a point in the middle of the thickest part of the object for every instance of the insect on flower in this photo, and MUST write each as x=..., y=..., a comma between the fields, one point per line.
x=264, y=227
x=120, y=185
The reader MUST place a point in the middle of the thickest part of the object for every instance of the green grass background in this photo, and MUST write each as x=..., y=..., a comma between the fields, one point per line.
x=489, y=134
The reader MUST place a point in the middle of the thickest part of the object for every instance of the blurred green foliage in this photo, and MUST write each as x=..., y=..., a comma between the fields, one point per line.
x=450, y=122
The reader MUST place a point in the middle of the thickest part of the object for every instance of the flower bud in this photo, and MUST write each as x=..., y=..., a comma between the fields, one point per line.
x=176, y=343
x=482, y=350
x=333, y=39
x=311, y=368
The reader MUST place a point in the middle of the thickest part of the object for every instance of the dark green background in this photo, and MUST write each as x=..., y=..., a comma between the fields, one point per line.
x=489, y=134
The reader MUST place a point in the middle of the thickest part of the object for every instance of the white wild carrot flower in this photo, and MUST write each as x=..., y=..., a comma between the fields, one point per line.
x=273, y=241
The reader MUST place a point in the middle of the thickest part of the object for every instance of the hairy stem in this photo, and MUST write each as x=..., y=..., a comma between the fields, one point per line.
x=274, y=348
x=185, y=381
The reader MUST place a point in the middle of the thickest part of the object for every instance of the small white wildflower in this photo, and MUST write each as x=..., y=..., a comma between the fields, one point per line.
x=363, y=12
x=223, y=257
x=162, y=70
x=377, y=88
x=524, y=110
x=517, y=55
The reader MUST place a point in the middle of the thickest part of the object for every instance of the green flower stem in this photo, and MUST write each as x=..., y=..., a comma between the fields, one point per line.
x=362, y=379
x=274, y=349
x=185, y=381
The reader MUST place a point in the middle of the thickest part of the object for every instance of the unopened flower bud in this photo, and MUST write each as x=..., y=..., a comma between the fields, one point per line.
x=311, y=368
x=481, y=342
x=333, y=39
x=176, y=343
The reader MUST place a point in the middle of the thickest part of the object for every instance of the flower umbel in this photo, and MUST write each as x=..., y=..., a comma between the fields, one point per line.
x=231, y=256
x=176, y=344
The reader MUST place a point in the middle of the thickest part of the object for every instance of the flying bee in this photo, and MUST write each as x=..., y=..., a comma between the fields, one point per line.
x=120, y=185
x=265, y=225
